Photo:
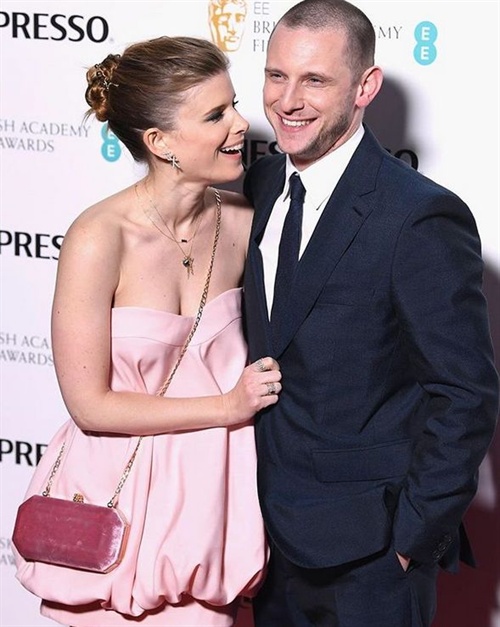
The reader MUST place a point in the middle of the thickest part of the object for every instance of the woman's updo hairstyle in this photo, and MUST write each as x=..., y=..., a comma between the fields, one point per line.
x=143, y=87
x=99, y=80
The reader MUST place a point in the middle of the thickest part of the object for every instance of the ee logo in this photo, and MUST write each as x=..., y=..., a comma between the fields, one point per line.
x=110, y=149
x=425, y=51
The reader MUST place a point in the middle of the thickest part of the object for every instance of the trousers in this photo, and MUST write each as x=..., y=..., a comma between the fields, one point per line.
x=372, y=592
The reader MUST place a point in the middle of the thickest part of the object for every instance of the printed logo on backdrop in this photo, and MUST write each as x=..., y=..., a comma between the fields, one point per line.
x=54, y=27
x=6, y=556
x=425, y=51
x=32, y=245
x=21, y=453
x=425, y=34
x=18, y=453
x=25, y=348
x=227, y=23
x=110, y=149
x=40, y=136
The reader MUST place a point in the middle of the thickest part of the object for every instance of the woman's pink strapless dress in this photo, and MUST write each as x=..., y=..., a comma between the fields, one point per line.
x=191, y=497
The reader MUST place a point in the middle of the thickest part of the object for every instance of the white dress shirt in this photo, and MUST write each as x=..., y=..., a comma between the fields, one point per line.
x=319, y=180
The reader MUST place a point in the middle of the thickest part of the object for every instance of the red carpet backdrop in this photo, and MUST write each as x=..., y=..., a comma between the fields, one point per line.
x=438, y=111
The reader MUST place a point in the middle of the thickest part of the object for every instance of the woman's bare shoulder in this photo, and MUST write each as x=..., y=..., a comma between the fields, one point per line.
x=107, y=213
x=99, y=226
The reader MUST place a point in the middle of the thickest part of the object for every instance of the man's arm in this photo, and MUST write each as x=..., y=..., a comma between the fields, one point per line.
x=437, y=279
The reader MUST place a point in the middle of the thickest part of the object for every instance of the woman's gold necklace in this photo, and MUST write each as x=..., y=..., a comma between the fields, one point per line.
x=187, y=258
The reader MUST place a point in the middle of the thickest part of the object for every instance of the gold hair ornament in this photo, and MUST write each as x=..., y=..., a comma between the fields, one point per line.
x=102, y=78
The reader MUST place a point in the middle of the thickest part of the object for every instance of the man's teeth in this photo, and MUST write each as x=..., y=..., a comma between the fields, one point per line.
x=295, y=122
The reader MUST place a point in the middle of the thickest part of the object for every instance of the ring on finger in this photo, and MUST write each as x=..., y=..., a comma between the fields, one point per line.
x=271, y=389
x=260, y=365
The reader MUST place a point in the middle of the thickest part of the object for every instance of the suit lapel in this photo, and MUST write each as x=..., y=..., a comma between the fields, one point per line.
x=272, y=182
x=267, y=189
x=346, y=211
x=334, y=233
x=255, y=293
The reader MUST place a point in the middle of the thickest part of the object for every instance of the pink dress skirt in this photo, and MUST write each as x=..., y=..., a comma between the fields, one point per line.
x=191, y=497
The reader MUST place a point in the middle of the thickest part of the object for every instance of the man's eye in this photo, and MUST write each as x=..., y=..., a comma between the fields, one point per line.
x=275, y=76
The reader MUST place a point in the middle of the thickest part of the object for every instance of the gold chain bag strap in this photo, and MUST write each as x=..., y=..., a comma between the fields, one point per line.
x=80, y=535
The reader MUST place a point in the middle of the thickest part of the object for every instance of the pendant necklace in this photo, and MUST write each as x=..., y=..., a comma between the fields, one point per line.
x=187, y=257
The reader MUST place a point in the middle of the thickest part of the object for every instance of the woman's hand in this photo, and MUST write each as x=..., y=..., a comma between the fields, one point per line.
x=257, y=388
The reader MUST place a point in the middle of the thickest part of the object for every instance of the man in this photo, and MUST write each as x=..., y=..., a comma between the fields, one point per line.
x=369, y=460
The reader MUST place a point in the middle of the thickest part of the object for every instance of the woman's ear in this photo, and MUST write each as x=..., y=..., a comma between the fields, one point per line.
x=155, y=141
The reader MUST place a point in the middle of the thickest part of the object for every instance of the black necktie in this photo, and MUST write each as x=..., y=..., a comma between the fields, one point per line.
x=291, y=235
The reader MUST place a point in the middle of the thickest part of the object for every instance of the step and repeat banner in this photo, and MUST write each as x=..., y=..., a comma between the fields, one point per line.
x=438, y=111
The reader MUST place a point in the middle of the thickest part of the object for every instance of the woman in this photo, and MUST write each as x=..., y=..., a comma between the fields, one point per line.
x=131, y=273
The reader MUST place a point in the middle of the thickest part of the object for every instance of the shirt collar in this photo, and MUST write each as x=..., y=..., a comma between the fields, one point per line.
x=321, y=178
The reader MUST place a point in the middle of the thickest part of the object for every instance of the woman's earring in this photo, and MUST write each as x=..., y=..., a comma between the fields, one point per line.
x=172, y=159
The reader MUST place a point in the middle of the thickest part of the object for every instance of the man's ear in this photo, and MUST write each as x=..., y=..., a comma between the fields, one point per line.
x=369, y=86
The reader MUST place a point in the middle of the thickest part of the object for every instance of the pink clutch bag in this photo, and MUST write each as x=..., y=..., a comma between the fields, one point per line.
x=68, y=533
x=73, y=533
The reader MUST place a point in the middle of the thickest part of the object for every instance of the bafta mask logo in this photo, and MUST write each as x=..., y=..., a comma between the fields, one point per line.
x=227, y=22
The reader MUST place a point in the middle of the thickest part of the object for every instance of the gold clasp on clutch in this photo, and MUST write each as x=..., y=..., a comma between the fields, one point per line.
x=78, y=498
